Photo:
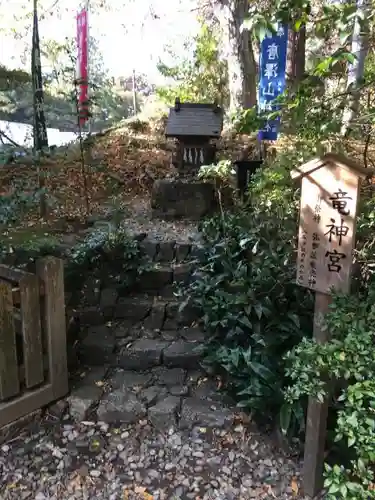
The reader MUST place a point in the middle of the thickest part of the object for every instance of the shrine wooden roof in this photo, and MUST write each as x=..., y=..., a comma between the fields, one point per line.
x=194, y=119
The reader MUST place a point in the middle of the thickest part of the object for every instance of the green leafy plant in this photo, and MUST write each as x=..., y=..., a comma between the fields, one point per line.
x=111, y=255
x=348, y=359
x=246, y=291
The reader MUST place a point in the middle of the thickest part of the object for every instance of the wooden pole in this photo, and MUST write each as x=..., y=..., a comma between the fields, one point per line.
x=317, y=413
x=134, y=94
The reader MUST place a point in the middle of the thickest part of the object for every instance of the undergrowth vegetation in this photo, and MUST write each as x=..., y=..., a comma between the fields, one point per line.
x=260, y=323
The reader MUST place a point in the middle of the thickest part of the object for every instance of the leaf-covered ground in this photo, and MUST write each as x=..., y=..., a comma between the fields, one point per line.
x=120, y=169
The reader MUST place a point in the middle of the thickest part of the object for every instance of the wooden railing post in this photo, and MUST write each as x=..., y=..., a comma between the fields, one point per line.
x=51, y=271
x=9, y=380
x=31, y=330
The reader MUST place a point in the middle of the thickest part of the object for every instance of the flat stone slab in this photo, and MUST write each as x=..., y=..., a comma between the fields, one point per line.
x=179, y=318
x=86, y=392
x=120, y=407
x=166, y=251
x=132, y=308
x=151, y=395
x=183, y=354
x=155, y=279
x=143, y=354
x=98, y=346
x=127, y=380
x=163, y=415
x=170, y=377
x=155, y=320
x=196, y=411
x=82, y=399
x=193, y=334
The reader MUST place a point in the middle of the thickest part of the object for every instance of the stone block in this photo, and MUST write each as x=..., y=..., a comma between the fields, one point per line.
x=151, y=395
x=97, y=348
x=207, y=390
x=155, y=320
x=170, y=335
x=189, y=315
x=90, y=316
x=163, y=415
x=132, y=309
x=182, y=272
x=169, y=327
x=183, y=354
x=186, y=317
x=127, y=380
x=193, y=334
x=120, y=407
x=179, y=390
x=174, y=199
x=166, y=251
x=182, y=251
x=196, y=411
x=123, y=329
x=155, y=279
x=82, y=399
x=149, y=248
x=143, y=354
x=108, y=299
x=170, y=377
x=167, y=292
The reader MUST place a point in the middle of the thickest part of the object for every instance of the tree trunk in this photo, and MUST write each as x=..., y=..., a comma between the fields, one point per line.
x=299, y=55
x=360, y=45
x=296, y=60
x=238, y=51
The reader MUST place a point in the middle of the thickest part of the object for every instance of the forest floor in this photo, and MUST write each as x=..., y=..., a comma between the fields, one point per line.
x=116, y=179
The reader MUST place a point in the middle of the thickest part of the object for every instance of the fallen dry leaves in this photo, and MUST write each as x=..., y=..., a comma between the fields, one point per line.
x=294, y=487
x=140, y=491
x=121, y=163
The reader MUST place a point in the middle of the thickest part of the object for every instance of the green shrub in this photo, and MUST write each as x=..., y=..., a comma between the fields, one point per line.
x=246, y=288
x=348, y=359
x=111, y=256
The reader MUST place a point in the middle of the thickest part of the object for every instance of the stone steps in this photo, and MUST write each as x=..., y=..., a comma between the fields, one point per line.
x=145, y=328
x=169, y=250
x=143, y=355
x=162, y=277
x=155, y=313
x=167, y=397
x=136, y=348
x=148, y=353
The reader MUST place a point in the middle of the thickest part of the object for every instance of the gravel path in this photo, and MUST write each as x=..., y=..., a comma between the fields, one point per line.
x=139, y=219
x=90, y=460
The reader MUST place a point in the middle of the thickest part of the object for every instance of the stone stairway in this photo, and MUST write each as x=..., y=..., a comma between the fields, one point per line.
x=143, y=357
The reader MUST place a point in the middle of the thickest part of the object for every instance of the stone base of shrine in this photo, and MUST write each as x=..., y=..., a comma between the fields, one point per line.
x=182, y=199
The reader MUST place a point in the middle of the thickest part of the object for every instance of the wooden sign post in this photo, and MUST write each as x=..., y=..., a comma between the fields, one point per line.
x=329, y=195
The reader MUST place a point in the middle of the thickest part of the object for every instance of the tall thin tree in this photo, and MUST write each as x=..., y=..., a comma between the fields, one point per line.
x=356, y=70
x=40, y=129
x=39, y=122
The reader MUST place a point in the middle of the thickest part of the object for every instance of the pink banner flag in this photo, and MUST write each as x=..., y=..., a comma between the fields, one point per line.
x=82, y=66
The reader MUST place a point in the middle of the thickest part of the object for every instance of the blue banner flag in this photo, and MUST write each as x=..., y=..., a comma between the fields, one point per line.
x=272, y=67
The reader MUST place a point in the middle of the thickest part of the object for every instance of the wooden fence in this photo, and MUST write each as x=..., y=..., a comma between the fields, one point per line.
x=33, y=360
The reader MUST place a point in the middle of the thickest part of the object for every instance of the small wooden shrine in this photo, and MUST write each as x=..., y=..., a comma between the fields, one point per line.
x=195, y=127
